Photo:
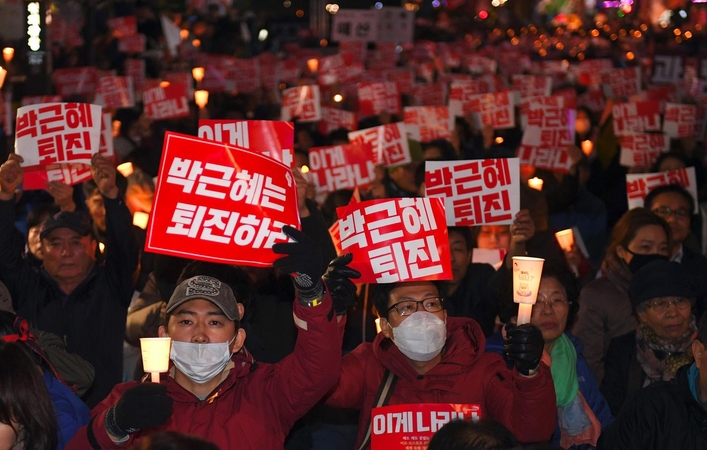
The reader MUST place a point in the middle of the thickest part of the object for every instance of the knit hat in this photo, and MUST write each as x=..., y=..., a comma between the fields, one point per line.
x=206, y=288
x=659, y=279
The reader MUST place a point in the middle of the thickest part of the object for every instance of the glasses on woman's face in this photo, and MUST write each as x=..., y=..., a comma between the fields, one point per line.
x=407, y=307
x=557, y=304
x=661, y=306
x=665, y=212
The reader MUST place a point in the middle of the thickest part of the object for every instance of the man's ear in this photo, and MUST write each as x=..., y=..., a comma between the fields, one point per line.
x=162, y=332
x=241, y=310
x=698, y=350
x=238, y=341
x=386, y=328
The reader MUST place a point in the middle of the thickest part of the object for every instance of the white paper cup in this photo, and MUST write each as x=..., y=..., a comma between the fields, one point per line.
x=155, y=354
x=566, y=239
x=527, y=272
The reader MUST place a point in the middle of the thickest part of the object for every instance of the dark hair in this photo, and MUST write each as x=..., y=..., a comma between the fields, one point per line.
x=628, y=225
x=381, y=295
x=669, y=189
x=171, y=440
x=445, y=147
x=24, y=399
x=464, y=435
x=340, y=197
x=89, y=188
x=39, y=214
x=702, y=330
x=663, y=156
x=465, y=232
x=560, y=272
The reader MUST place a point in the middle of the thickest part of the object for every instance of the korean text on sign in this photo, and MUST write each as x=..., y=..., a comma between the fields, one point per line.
x=303, y=103
x=642, y=149
x=636, y=117
x=679, y=120
x=396, y=239
x=375, y=98
x=480, y=192
x=389, y=143
x=639, y=185
x=427, y=123
x=166, y=102
x=221, y=204
x=340, y=167
x=37, y=177
x=51, y=133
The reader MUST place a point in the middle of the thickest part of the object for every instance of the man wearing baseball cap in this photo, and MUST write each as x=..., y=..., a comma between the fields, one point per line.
x=215, y=390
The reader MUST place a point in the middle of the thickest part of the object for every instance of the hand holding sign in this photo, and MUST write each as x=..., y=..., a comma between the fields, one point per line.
x=338, y=282
x=522, y=228
x=104, y=176
x=11, y=176
x=63, y=195
x=303, y=260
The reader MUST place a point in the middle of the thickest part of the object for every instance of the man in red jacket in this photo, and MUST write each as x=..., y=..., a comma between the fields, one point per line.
x=215, y=390
x=423, y=357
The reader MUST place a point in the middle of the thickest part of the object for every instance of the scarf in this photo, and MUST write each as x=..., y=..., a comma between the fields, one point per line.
x=660, y=358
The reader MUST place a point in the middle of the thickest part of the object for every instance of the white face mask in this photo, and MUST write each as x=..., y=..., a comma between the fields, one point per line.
x=421, y=336
x=201, y=362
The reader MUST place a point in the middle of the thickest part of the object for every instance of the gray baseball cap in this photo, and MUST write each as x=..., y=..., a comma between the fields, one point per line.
x=206, y=288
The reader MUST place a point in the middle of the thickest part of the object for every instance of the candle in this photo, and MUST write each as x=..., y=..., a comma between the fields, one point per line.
x=587, y=147
x=566, y=239
x=201, y=98
x=155, y=356
x=198, y=74
x=526, y=282
x=125, y=169
x=536, y=183
x=140, y=219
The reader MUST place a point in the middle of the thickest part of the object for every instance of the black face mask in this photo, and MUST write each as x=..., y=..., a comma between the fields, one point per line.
x=639, y=260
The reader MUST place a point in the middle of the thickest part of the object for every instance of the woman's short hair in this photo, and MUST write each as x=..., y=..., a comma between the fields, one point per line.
x=25, y=404
x=627, y=228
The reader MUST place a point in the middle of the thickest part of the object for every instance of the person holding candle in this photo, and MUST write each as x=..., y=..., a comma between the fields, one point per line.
x=216, y=390
x=433, y=358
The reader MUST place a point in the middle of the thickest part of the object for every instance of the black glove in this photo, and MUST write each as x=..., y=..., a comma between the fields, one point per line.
x=303, y=261
x=524, y=345
x=339, y=285
x=143, y=406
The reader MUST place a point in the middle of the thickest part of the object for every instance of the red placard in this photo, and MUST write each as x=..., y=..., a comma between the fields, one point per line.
x=123, y=26
x=271, y=138
x=494, y=110
x=462, y=91
x=334, y=228
x=115, y=92
x=135, y=69
x=340, y=167
x=79, y=80
x=622, y=82
x=427, y=123
x=642, y=149
x=429, y=94
x=132, y=44
x=636, y=117
x=51, y=133
x=411, y=426
x=679, y=120
x=303, y=103
x=393, y=240
x=549, y=126
x=37, y=177
x=531, y=85
x=166, y=102
x=334, y=69
x=554, y=159
x=333, y=119
x=639, y=185
x=403, y=78
x=479, y=192
x=389, y=143
x=37, y=99
x=221, y=204
x=243, y=75
x=374, y=98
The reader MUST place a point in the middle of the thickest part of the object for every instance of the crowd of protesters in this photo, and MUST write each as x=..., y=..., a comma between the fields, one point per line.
x=289, y=356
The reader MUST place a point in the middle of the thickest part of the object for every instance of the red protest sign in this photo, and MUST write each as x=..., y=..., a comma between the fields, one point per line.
x=221, y=204
x=374, y=98
x=303, y=103
x=79, y=80
x=679, y=120
x=168, y=102
x=340, y=167
x=411, y=426
x=334, y=69
x=37, y=177
x=554, y=159
x=480, y=192
x=494, y=110
x=115, y=92
x=272, y=138
x=549, y=126
x=622, y=82
x=642, y=149
x=639, y=185
x=392, y=240
x=334, y=228
x=135, y=69
x=132, y=44
x=123, y=26
x=462, y=91
x=181, y=78
x=427, y=123
x=334, y=118
x=592, y=99
x=51, y=133
x=37, y=99
x=389, y=143
x=531, y=85
x=243, y=75
x=403, y=78
x=477, y=64
x=636, y=117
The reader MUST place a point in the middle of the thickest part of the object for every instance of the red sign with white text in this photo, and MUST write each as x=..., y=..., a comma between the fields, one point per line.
x=115, y=92
x=549, y=126
x=374, y=98
x=221, y=204
x=429, y=94
x=639, y=185
x=123, y=26
x=79, y=80
x=679, y=120
x=340, y=167
x=272, y=138
x=462, y=91
x=166, y=102
x=135, y=69
x=333, y=119
x=531, y=85
x=132, y=44
x=389, y=143
x=427, y=123
x=51, y=133
x=302, y=103
x=554, y=159
x=622, y=82
x=334, y=228
x=37, y=99
x=479, y=192
x=642, y=149
x=37, y=177
x=402, y=239
x=636, y=117
x=494, y=110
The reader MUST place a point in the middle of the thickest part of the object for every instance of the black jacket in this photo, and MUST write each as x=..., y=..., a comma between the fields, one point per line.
x=623, y=375
x=664, y=415
x=90, y=320
x=475, y=297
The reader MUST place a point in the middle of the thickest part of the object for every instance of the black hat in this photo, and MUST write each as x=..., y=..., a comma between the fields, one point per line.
x=659, y=279
x=76, y=221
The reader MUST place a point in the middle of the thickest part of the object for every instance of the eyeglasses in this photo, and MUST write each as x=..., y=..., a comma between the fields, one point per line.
x=407, y=307
x=556, y=305
x=666, y=212
x=661, y=306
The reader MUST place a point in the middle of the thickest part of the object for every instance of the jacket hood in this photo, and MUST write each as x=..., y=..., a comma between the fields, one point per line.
x=464, y=344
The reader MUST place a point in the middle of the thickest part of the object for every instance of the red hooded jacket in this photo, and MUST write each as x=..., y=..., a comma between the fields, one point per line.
x=255, y=405
x=466, y=374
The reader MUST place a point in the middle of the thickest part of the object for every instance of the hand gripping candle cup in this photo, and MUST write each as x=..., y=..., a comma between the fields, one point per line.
x=155, y=356
x=566, y=239
x=526, y=282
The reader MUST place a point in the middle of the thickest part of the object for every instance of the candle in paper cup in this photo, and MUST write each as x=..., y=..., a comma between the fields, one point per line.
x=378, y=325
x=536, y=183
x=587, y=147
x=140, y=219
x=566, y=239
x=526, y=282
x=155, y=355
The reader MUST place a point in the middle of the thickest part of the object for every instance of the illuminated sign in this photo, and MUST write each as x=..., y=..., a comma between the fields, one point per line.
x=34, y=27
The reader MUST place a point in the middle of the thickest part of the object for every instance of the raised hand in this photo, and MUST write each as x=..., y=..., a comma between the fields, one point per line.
x=11, y=176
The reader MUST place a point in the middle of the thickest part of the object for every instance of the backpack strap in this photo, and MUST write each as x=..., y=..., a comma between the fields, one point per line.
x=382, y=397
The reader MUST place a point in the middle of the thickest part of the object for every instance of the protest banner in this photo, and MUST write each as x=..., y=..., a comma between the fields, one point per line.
x=667, y=69
x=374, y=98
x=496, y=110
x=355, y=25
x=123, y=26
x=553, y=159
x=340, y=167
x=115, y=92
x=168, y=102
x=479, y=192
x=679, y=120
x=396, y=24
x=389, y=143
x=272, y=138
x=51, y=133
x=402, y=77
x=549, y=126
x=37, y=177
x=135, y=69
x=427, y=123
x=461, y=91
x=302, y=103
x=636, y=117
x=531, y=85
x=640, y=184
x=75, y=81
x=392, y=240
x=642, y=149
x=334, y=228
x=334, y=119
x=217, y=203
x=622, y=83
x=132, y=44
x=430, y=94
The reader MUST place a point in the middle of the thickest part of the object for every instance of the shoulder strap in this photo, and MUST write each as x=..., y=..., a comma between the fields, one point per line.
x=384, y=392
